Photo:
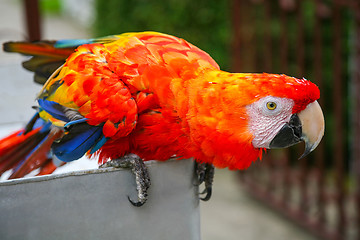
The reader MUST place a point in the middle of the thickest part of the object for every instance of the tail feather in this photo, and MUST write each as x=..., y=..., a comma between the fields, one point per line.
x=41, y=48
x=15, y=148
x=42, y=67
x=28, y=149
x=25, y=152
x=38, y=156
x=46, y=57
x=9, y=142
x=48, y=167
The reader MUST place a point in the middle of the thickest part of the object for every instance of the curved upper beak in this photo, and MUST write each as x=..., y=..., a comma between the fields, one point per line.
x=307, y=125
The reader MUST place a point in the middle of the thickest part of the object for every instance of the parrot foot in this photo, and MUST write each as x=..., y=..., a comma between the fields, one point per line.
x=139, y=169
x=205, y=174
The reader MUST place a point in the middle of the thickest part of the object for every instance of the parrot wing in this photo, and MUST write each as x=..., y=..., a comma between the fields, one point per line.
x=89, y=101
x=66, y=104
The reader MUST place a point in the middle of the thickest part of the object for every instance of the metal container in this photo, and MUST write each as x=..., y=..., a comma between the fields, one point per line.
x=93, y=205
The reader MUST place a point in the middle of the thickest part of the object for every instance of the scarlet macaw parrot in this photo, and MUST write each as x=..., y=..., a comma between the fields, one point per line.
x=156, y=96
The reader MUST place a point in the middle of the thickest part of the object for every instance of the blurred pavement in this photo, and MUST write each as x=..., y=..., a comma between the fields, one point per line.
x=230, y=214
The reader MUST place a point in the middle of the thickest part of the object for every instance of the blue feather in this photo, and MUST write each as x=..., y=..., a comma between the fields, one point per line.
x=77, y=145
x=98, y=145
x=45, y=126
x=53, y=108
x=75, y=122
x=70, y=43
x=66, y=43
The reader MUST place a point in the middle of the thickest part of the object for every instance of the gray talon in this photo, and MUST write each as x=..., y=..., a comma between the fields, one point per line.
x=205, y=174
x=139, y=169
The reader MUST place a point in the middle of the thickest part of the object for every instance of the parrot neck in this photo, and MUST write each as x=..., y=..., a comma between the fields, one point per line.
x=219, y=133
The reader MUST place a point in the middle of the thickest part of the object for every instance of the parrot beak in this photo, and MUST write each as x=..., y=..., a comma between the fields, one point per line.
x=307, y=125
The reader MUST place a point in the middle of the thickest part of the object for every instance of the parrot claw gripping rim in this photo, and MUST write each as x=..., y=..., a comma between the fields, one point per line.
x=139, y=169
x=205, y=174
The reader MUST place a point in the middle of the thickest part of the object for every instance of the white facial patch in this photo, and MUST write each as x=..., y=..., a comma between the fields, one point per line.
x=267, y=116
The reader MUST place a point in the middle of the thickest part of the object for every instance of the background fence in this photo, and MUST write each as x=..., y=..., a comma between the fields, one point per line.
x=318, y=40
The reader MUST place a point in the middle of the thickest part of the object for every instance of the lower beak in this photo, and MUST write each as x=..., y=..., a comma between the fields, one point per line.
x=307, y=125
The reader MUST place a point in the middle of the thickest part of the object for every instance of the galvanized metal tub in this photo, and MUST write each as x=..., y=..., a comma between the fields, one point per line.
x=93, y=205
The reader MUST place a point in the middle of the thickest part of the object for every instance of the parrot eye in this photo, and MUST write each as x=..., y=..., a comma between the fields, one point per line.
x=271, y=105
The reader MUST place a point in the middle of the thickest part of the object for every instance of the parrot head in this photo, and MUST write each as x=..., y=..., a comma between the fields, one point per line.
x=280, y=122
x=247, y=113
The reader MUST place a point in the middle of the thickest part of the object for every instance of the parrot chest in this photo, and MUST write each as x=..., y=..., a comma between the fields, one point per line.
x=159, y=134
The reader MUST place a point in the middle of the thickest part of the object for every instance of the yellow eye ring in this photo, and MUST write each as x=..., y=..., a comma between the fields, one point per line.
x=271, y=105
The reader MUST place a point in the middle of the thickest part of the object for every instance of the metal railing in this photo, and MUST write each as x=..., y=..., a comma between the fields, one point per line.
x=318, y=40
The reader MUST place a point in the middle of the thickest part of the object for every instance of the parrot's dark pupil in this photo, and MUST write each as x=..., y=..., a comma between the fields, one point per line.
x=271, y=105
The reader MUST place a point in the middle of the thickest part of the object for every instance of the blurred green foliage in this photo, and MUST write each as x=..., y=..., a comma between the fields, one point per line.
x=50, y=6
x=204, y=23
